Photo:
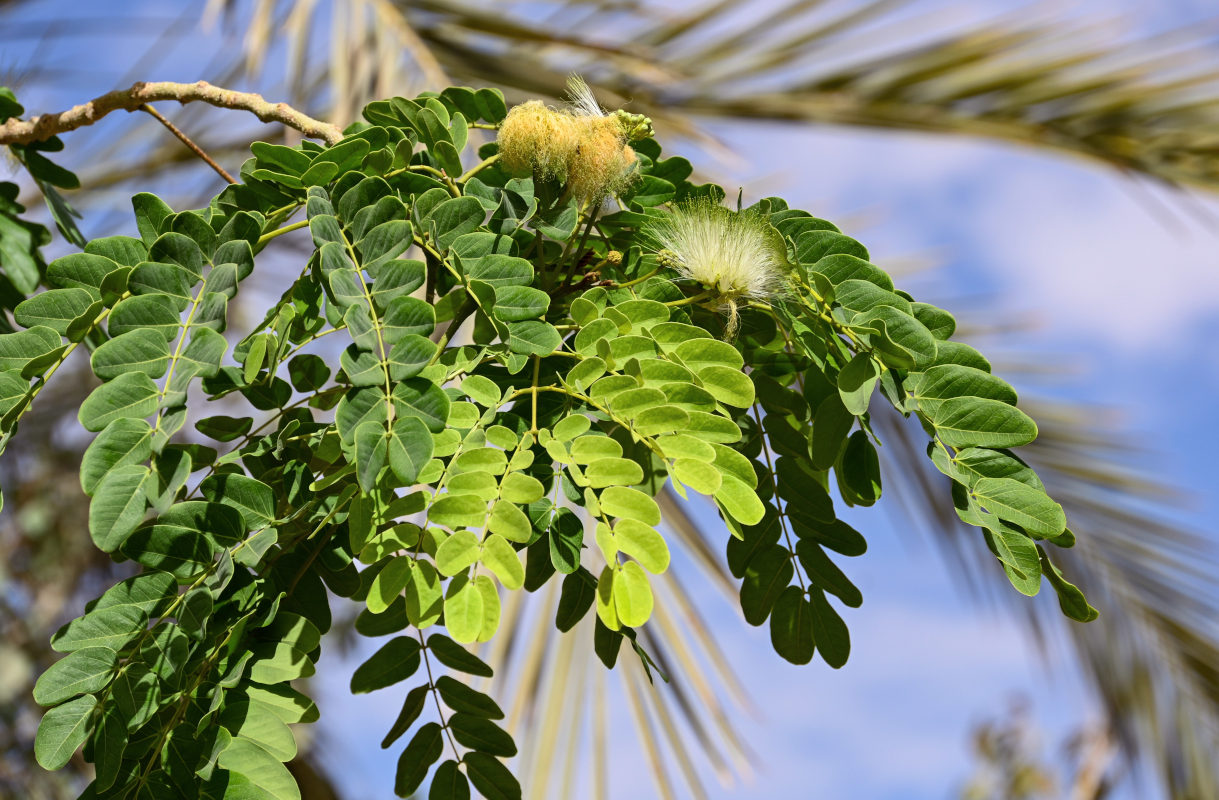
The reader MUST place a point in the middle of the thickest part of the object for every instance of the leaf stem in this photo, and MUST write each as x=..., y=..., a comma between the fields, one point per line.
x=186, y=140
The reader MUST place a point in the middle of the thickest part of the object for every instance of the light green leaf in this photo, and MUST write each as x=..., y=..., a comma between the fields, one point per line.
x=619, y=501
x=424, y=600
x=457, y=552
x=739, y=501
x=499, y=557
x=463, y=611
x=613, y=472
x=698, y=475
x=510, y=522
x=458, y=511
x=642, y=543
x=632, y=595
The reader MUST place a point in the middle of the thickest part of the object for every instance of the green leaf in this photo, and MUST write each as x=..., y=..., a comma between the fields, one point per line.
x=308, y=372
x=185, y=539
x=252, y=498
x=481, y=735
x=632, y=595
x=154, y=311
x=122, y=442
x=515, y=303
x=767, y=575
x=491, y=779
x=980, y=422
x=463, y=699
x=575, y=599
x=739, y=501
x=946, y=381
x=143, y=351
x=499, y=557
x=132, y=395
x=831, y=423
x=424, y=598
x=1023, y=505
x=395, y=661
x=510, y=522
x=119, y=506
x=55, y=309
x=825, y=574
x=112, y=627
x=463, y=611
x=859, y=470
x=856, y=382
x=388, y=584
x=791, y=626
x=412, y=707
x=533, y=337
x=454, y=656
x=642, y=543
x=424, y=750
x=264, y=773
x=457, y=553
x=698, y=475
x=454, y=217
x=728, y=385
x=258, y=722
x=410, y=448
x=618, y=501
x=63, y=729
x=21, y=347
x=449, y=783
x=613, y=472
x=830, y=632
x=82, y=671
x=1070, y=599
x=491, y=607
x=370, y=452
x=418, y=397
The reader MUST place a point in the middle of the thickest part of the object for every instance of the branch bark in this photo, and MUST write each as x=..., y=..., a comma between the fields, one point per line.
x=35, y=129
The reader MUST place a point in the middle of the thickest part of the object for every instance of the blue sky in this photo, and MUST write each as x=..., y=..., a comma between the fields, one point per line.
x=1129, y=302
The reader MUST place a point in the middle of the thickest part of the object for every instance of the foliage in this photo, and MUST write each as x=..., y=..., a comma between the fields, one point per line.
x=428, y=475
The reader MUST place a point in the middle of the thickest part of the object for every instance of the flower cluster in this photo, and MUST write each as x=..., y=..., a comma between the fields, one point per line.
x=580, y=146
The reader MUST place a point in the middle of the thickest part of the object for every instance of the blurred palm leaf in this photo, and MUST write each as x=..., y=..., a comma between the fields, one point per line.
x=1146, y=106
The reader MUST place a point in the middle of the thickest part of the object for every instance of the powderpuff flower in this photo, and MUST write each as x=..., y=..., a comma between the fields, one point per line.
x=579, y=145
x=734, y=255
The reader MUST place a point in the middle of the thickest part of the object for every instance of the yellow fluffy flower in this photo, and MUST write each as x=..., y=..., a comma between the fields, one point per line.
x=580, y=145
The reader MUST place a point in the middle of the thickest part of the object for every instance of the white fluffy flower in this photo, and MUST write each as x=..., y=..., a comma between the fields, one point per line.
x=580, y=99
x=733, y=254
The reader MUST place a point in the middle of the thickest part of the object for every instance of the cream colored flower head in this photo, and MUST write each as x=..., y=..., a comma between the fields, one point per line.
x=579, y=145
x=734, y=254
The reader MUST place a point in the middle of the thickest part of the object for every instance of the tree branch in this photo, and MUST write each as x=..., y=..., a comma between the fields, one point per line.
x=45, y=126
